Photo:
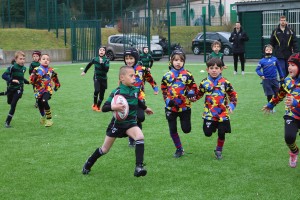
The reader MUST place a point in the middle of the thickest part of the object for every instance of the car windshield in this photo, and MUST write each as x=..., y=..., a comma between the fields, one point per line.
x=225, y=35
x=139, y=39
x=198, y=35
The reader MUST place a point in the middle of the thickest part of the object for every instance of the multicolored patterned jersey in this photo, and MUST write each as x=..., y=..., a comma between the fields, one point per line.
x=140, y=76
x=43, y=78
x=175, y=86
x=270, y=66
x=33, y=65
x=290, y=87
x=15, y=72
x=101, y=68
x=146, y=60
x=215, y=91
x=131, y=95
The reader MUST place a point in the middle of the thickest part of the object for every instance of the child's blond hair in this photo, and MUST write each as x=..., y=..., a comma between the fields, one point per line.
x=19, y=53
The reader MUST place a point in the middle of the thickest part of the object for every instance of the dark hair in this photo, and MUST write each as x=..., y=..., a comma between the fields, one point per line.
x=214, y=61
x=37, y=53
x=102, y=47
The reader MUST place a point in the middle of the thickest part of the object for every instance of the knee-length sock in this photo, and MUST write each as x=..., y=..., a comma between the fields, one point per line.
x=93, y=158
x=220, y=144
x=139, y=152
x=293, y=148
x=176, y=139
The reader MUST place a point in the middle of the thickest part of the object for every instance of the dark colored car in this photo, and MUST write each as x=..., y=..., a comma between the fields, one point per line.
x=223, y=37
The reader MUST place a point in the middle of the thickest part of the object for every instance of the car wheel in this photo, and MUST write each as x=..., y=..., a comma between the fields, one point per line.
x=196, y=50
x=226, y=51
x=110, y=55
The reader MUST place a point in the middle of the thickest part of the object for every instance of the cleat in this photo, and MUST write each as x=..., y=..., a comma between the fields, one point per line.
x=43, y=120
x=218, y=154
x=86, y=169
x=273, y=111
x=48, y=122
x=179, y=152
x=234, y=73
x=97, y=109
x=94, y=107
x=140, y=171
x=293, y=159
x=7, y=125
x=131, y=144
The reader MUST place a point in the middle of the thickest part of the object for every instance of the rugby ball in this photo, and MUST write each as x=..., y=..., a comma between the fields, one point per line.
x=119, y=99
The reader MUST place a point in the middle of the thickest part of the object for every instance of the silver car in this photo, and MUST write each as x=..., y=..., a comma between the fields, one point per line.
x=118, y=43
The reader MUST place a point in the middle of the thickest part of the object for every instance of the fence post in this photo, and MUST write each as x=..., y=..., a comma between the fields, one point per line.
x=148, y=25
x=169, y=34
x=204, y=38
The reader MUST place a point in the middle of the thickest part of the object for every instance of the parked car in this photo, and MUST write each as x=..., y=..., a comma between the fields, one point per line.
x=118, y=43
x=223, y=37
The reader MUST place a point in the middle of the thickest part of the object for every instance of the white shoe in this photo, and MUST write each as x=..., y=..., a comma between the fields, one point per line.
x=234, y=73
x=293, y=159
x=243, y=73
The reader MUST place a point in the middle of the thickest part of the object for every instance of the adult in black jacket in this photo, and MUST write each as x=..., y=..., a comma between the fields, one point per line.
x=238, y=37
x=284, y=41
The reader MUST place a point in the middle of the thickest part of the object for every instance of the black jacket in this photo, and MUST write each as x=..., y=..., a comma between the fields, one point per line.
x=284, y=43
x=238, y=39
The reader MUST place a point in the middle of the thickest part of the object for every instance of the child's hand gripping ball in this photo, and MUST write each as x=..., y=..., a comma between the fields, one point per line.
x=120, y=115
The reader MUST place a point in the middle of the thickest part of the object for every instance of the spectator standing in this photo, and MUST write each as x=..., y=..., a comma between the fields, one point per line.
x=238, y=37
x=284, y=41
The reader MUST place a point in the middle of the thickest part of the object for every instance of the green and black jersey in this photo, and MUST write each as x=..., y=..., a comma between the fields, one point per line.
x=33, y=65
x=146, y=60
x=131, y=95
x=101, y=68
x=16, y=72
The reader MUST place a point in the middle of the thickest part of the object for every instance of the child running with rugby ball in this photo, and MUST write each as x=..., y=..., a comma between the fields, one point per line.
x=131, y=58
x=125, y=128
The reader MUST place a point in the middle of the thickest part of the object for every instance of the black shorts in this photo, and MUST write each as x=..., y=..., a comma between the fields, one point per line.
x=100, y=84
x=118, y=132
x=211, y=126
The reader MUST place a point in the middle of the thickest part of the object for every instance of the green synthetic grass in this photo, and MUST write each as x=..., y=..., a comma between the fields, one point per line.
x=45, y=163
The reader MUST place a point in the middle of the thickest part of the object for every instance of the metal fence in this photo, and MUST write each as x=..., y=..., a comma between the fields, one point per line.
x=51, y=14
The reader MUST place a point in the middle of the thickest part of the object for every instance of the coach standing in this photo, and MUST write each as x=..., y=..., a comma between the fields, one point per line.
x=238, y=38
x=284, y=41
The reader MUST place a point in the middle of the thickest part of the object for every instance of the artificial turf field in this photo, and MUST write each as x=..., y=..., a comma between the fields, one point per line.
x=45, y=163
